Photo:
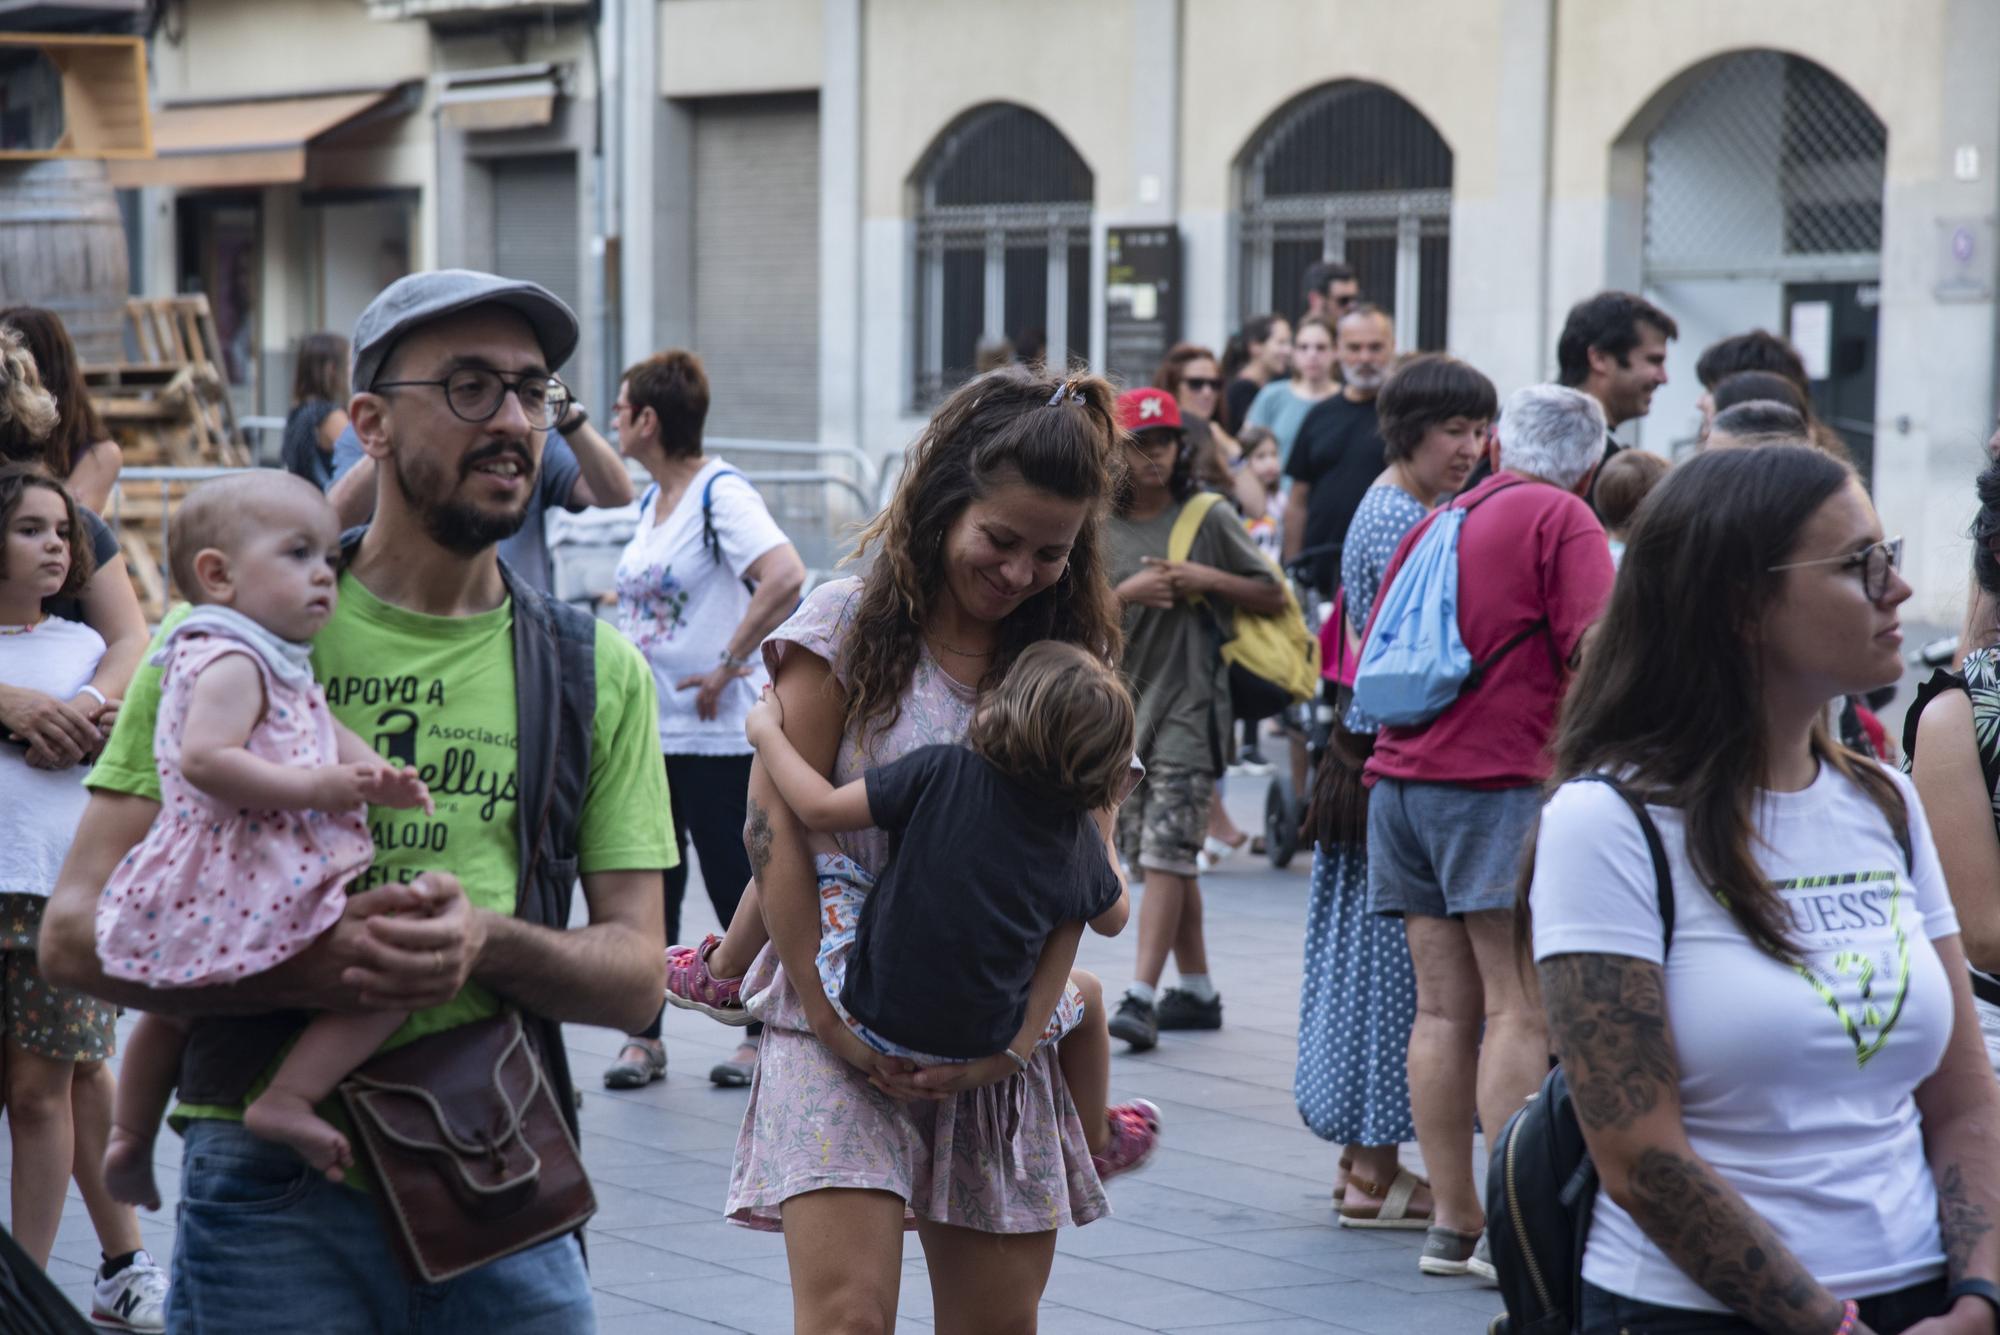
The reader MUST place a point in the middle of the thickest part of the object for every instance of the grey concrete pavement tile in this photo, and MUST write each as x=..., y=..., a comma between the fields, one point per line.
x=1141, y=1299
x=611, y=1305
x=1361, y=1305
x=650, y=1322
x=733, y=1301
x=1312, y=1246
x=717, y=1241
x=1220, y=1270
x=616, y=1264
x=1289, y=1325
x=620, y=1208
x=1118, y=1237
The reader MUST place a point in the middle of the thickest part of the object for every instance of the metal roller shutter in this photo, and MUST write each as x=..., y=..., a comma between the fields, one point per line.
x=756, y=264
x=535, y=232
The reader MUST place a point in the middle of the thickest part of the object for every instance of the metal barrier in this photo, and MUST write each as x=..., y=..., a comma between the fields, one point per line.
x=799, y=499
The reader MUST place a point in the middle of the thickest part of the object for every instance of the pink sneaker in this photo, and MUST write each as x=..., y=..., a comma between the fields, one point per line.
x=693, y=988
x=1135, y=1134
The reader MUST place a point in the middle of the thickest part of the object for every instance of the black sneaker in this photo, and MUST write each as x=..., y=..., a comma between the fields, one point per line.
x=1134, y=1022
x=1181, y=1009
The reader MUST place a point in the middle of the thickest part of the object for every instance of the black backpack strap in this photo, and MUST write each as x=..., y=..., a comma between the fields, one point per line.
x=555, y=690
x=1663, y=876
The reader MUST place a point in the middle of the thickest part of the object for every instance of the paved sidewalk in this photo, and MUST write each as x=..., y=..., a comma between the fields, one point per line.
x=1228, y=1232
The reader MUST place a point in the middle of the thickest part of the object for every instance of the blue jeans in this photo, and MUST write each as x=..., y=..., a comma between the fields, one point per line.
x=267, y=1244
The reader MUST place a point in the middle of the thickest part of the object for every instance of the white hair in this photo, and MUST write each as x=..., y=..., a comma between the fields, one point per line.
x=1551, y=432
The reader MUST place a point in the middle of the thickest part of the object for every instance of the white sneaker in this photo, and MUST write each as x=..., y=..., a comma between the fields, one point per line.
x=133, y=1299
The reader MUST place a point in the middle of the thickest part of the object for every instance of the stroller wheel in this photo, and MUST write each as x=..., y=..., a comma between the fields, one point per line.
x=1281, y=822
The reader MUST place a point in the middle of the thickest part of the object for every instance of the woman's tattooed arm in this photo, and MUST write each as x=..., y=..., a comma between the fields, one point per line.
x=1608, y=1021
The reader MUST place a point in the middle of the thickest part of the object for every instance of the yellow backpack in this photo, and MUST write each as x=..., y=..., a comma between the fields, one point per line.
x=1273, y=660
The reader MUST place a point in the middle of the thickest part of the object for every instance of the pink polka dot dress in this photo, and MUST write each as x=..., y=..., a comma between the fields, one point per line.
x=213, y=893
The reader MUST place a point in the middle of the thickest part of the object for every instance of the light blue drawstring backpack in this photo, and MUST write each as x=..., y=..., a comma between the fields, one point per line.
x=1414, y=662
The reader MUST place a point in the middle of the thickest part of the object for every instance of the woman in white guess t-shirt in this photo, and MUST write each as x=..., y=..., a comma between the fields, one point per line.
x=1793, y=1117
x=705, y=578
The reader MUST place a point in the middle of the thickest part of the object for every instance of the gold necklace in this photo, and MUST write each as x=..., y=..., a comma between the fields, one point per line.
x=936, y=643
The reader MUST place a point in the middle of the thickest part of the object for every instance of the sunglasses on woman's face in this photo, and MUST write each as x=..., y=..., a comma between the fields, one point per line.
x=1201, y=382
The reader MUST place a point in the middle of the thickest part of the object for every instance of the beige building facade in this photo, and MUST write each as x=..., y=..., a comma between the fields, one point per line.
x=840, y=201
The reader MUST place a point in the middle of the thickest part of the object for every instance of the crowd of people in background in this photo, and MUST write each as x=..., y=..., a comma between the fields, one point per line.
x=1650, y=828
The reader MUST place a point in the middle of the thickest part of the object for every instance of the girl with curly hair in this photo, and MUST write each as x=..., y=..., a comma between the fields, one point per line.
x=993, y=542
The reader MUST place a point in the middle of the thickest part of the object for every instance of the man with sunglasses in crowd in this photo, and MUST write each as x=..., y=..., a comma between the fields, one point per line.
x=1332, y=290
x=580, y=470
x=535, y=728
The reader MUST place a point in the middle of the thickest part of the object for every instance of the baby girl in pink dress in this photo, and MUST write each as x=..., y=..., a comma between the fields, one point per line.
x=262, y=820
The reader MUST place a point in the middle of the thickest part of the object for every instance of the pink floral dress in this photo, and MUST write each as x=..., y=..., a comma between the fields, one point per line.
x=213, y=893
x=1008, y=1158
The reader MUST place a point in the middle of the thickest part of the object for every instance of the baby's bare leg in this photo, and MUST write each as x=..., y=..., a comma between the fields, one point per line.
x=745, y=937
x=146, y=1082
x=331, y=1046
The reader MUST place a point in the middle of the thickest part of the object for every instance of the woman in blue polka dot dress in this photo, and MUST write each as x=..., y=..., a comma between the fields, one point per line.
x=1358, y=997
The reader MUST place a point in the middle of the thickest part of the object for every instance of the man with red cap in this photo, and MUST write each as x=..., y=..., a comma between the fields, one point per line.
x=1174, y=593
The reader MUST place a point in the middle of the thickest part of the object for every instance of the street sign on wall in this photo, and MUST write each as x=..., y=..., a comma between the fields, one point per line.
x=1142, y=300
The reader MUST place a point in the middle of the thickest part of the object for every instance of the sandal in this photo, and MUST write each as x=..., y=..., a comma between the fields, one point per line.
x=1394, y=1212
x=1346, y=1170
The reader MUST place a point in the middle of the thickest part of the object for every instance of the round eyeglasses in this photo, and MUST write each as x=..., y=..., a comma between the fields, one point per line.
x=1876, y=564
x=474, y=394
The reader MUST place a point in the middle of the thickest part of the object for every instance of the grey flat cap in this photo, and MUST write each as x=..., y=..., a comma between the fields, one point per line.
x=421, y=298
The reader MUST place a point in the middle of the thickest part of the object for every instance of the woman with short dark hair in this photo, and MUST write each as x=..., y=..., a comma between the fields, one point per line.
x=319, y=408
x=1358, y=997
x=1786, y=1101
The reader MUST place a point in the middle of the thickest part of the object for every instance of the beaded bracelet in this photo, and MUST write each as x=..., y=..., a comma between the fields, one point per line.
x=1850, y=1315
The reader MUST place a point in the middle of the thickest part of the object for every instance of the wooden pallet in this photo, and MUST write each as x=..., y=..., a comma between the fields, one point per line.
x=169, y=409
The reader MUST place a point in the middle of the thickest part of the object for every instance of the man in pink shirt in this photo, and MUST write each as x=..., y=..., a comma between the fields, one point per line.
x=1453, y=800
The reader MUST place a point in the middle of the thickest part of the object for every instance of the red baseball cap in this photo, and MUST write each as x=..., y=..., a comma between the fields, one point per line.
x=1140, y=409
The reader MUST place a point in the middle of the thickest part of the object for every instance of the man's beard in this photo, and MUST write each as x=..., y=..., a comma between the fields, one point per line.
x=1365, y=378
x=455, y=525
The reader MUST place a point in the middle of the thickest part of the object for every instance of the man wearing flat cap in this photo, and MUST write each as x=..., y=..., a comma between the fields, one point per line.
x=534, y=728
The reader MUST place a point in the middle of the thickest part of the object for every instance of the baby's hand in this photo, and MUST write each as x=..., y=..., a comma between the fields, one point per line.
x=343, y=787
x=395, y=786
x=766, y=717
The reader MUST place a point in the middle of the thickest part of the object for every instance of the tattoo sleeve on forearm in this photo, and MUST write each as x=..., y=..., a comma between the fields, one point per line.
x=757, y=840
x=1962, y=1220
x=1608, y=1022
x=1607, y=1018
x=1700, y=1222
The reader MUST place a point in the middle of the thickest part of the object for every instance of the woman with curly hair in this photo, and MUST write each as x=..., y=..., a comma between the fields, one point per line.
x=76, y=449
x=994, y=541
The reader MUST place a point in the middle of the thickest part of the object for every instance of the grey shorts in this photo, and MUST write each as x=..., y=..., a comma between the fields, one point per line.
x=1437, y=850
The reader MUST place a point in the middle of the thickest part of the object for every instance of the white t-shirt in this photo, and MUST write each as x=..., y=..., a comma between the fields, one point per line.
x=1796, y=1084
x=58, y=658
x=680, y=606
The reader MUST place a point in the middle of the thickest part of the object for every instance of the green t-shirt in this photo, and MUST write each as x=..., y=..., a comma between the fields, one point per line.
x=438, y=693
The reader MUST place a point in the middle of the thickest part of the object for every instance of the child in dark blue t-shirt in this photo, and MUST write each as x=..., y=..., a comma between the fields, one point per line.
x=996, y=845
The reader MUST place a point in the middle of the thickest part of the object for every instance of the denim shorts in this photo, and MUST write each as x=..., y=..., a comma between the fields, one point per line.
x=1438, y=850
x=265, y=1243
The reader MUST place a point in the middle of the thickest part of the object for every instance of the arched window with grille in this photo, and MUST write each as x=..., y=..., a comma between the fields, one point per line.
x=1002, y=246
x=1349, y=171
x=1764, y=181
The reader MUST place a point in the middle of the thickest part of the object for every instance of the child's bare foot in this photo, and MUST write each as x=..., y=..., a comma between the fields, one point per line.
x=128, y=1169
x=289, y=1119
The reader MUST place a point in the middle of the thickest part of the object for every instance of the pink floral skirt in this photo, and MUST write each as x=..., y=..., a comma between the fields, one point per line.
x=1008, y=1158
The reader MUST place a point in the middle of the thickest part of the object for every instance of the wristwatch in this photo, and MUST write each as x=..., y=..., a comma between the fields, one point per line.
x=734, y=663
x=1984, y=1290
x=578, y=415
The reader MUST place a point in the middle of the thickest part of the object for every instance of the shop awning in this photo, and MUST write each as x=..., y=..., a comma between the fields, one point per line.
x=222, y=144
x=505, y=97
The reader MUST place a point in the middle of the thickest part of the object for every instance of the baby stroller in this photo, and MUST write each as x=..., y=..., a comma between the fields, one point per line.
x=1308, y=723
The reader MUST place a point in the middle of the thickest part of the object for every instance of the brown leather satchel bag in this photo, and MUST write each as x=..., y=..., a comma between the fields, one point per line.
x=471, y=1156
